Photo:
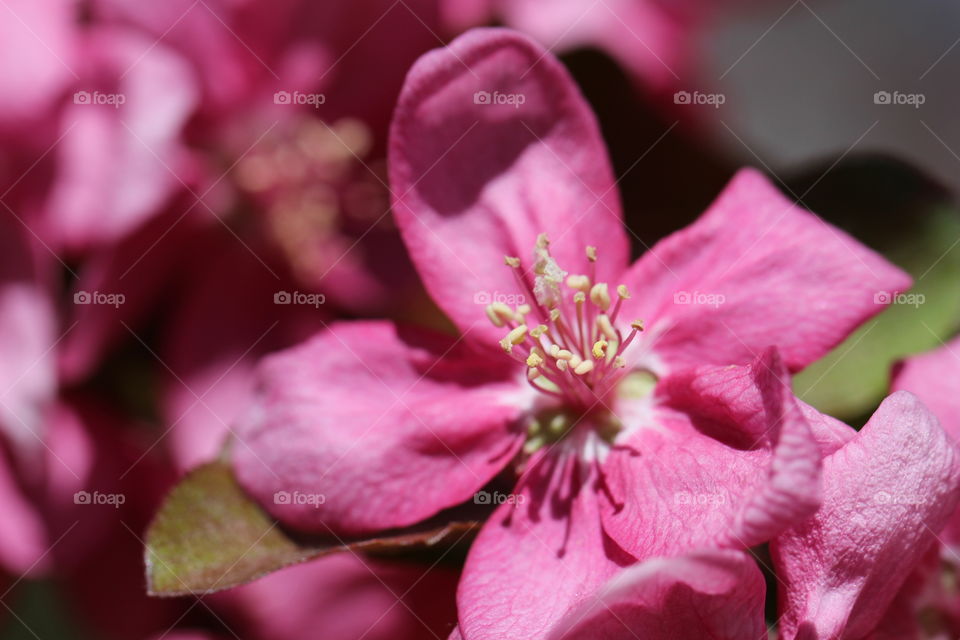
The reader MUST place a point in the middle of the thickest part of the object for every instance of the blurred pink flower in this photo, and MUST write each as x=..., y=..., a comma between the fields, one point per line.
x=494, y=153
x=27, y=337
x=347, y=596
x=888, y=491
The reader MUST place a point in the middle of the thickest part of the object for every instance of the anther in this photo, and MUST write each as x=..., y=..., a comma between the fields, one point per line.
x=623, y=292
x=583, y=368
x=515, y=337
x=499, y=314
x=599, y=349
x=534, y=360
x=511, y=261
x=600, y=296
x=591, y=254
x=579, y=282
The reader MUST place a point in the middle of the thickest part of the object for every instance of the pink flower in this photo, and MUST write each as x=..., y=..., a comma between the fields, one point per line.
x=495, y=154
x=347, y=596
x=888, y=491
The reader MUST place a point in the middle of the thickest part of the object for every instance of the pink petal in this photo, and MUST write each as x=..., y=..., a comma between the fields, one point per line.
x=385, y=426
x=119, y=164
x=933, y=378
x=645, y=37
x=224, y=322
x=28, y=336
x=474, y=182
x=753, y=271
x=348, y=597
x=712, y=594
x=37, y=50
x=729, y=461
x=535, y=559
x=886, y=495
x=23, y=539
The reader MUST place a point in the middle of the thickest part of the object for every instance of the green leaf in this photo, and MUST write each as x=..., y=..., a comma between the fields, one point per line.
x=209, y=535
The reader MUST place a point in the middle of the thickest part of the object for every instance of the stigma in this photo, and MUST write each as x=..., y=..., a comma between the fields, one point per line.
x=570, y=338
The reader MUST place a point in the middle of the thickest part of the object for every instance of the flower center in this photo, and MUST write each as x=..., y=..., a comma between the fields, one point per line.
x=569, y=340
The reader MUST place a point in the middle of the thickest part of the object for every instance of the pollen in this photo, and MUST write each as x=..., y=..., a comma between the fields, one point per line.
x=566, y=330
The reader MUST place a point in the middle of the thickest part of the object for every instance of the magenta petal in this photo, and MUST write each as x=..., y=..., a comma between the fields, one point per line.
x=474, y=181
x=933, y=378
x=119, y=164
x=712, y=594
x=731, y=463
x=348, y=597
x=754, y=271
x=535, y=560
x=886, y=495
x=367, y=427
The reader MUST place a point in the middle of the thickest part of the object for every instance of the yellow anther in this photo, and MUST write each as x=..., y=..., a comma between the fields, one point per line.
x=578, y=282
x=600, y=296
x=511, y=261
x=499, y=314
x=543, y=241
x=562, y=365
x=563, y=354
x=575, y=360
x=554, y=315
x=538, y=331
x=623, y=292
x=599, y=349
x=579, y=297
x=523, y=310
x=533, y=373
x=554, y=350
x=515, y=337
x=606, y=327
x=591, y=254
x=583, y=368
x=637, y=324
x=534, y=360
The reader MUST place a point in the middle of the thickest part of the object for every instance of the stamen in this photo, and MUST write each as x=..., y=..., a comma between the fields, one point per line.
x=499, y=314
x=534, y=360
x=511, y=261
x=578, y=283
x=623, y=292
x=591, y=253
x=584, y=368
x=606, y=327
x=515, y=337
x=600, y=296
x=599, y=349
